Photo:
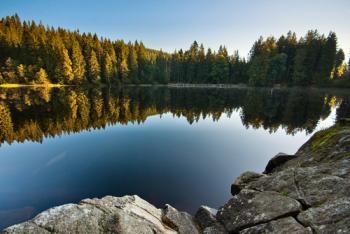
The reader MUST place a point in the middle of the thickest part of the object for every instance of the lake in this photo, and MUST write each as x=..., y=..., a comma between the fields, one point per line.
x=182, y=146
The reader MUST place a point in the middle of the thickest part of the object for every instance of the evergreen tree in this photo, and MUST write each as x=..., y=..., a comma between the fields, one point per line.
x=278, y=66
x=288, y=45
x=68, y=56
x=143, y=64
x=258, y=71
x=21, y=73
x=339, y=66
x=41, y=77
x=64, y=71
x=78, y=63
x=133, y=66
x=108, y=68
x=327, y=59
x=299, y=71
x=94, y=67
x=202, y=67
x=162, y=75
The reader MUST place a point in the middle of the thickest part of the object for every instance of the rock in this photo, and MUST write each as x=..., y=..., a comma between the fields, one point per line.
x=243, y=180
x=216, y=229
x=324, y=147
x=128, y=214
x=277, y=161
x=284, y=225
x=250, y=208
x=309, y=185
x=206, y=217
x=26, y=228
x=330, y=217
x=179, y=221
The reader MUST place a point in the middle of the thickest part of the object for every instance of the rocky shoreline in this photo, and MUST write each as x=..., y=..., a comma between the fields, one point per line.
x=308, y=192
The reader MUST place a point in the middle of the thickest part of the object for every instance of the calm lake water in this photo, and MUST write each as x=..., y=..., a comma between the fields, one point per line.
x=182, y=146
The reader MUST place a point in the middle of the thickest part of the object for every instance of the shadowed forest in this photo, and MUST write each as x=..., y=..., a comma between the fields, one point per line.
x=33, y=114
x=32, y=53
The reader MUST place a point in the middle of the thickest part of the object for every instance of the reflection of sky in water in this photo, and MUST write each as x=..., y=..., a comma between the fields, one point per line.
x=164, y=160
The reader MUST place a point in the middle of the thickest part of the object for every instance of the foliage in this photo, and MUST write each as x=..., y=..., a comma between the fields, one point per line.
x=41, y=77
x=69, y=57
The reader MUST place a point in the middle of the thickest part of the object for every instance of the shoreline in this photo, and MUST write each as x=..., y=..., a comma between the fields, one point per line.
x=173, y=85
x=9, y=86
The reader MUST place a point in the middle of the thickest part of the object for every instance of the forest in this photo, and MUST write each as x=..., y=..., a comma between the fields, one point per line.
x=31, y=53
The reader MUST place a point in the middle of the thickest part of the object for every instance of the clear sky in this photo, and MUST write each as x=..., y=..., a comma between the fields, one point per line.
x=174, y=24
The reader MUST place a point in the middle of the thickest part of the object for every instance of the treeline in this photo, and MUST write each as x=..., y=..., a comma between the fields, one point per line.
x=313, y=59
x=33, y=53
x=33, y=114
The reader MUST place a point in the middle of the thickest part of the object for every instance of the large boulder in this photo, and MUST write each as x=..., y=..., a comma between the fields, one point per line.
x=128, y=214
x=277, y=161
x=251, y=207
x=309, y=185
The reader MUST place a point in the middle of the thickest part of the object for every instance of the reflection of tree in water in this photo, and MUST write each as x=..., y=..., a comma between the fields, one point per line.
x=6, y=127
x=32, y=114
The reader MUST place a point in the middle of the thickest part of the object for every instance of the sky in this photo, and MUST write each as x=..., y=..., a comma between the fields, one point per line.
x=175, y=24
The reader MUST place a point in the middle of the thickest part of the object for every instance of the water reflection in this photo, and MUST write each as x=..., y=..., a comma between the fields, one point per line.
x=63, y=145
x=33, y=114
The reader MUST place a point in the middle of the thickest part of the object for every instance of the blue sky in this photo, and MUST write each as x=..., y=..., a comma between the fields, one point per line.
x=174, y=24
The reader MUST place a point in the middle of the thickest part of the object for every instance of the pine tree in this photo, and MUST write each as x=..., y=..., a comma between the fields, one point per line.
x=64, y=71
x=327, y=59
x=143, y=64
x=258, y=71
x=299, y=71
x=202, y=72
x=339, y=67
x=94, y=67
x=41, y=77
x=78, y=63
x=107, y=68
x=162, y=75
x=21, y=72
x=133, y=65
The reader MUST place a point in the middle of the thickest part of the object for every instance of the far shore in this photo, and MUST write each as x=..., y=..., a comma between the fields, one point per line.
x=173, y=85
x=32, y=85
